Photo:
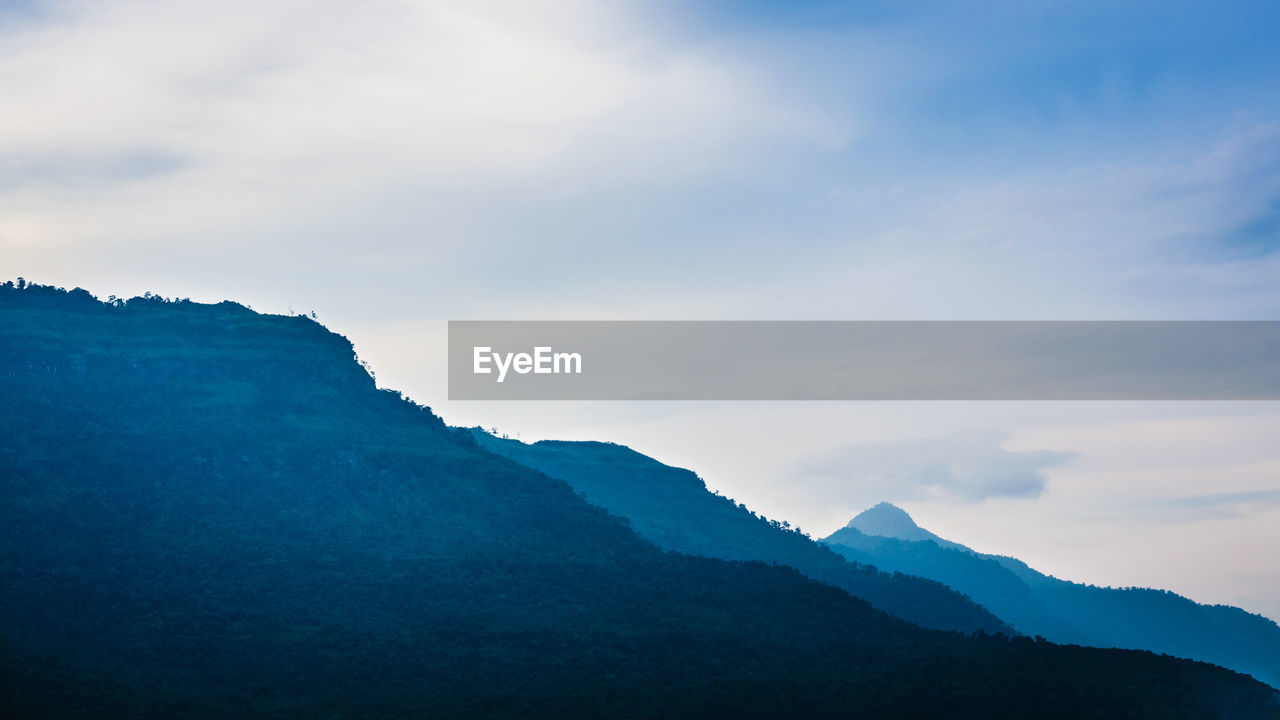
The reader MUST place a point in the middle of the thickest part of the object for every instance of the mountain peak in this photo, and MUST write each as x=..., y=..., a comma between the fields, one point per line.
x=888, y=520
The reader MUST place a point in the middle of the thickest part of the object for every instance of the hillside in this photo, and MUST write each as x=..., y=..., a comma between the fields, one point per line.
x=1063, y=611
x=673, y=508
x=210, y=513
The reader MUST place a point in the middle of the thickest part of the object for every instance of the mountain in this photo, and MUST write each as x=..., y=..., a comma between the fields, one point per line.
x=210, y=513
x=892, y=521
x=1063, y=611
x=673, y=508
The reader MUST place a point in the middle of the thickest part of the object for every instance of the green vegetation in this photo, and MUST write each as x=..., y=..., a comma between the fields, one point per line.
x=210, y=513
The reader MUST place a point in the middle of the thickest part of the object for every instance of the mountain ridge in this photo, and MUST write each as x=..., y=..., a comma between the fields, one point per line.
x=1064, y=611
x=208, y=512
x=672, y=507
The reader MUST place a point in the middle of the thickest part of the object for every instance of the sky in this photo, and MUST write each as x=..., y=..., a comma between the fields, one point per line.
x=395, y=165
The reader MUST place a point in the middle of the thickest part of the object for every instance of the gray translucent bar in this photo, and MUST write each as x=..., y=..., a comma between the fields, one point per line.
x=818, y=360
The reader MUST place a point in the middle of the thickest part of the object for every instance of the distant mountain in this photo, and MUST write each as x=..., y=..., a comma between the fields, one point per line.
x=210, y=513
x=673, y=508
x=892, y=521
x=1063, y=611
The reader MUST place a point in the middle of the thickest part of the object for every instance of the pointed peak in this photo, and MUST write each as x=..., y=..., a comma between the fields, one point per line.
x=889, y=520
x=886, y=509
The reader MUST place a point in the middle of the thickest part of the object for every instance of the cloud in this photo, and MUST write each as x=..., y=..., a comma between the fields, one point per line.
x=1263, y=497
x=312, y=105
x=962, y=468
x=1211, y=506
x=617, y=162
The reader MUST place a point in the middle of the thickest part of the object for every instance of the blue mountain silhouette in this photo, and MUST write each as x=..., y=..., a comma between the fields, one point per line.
x=1062, y=611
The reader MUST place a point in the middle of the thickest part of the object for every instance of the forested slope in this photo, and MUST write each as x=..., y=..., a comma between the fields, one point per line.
x=210, y=513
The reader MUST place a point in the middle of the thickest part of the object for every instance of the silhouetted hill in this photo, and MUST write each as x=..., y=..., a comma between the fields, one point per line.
x=209, y=513
x=892, y=521
x=673, y=508
x=1062, y=611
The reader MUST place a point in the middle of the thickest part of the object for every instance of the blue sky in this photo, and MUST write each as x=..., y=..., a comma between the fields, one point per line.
x=393, y=165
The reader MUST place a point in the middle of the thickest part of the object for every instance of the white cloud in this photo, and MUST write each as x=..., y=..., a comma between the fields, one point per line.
x=963, y=468
x=136, y=122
